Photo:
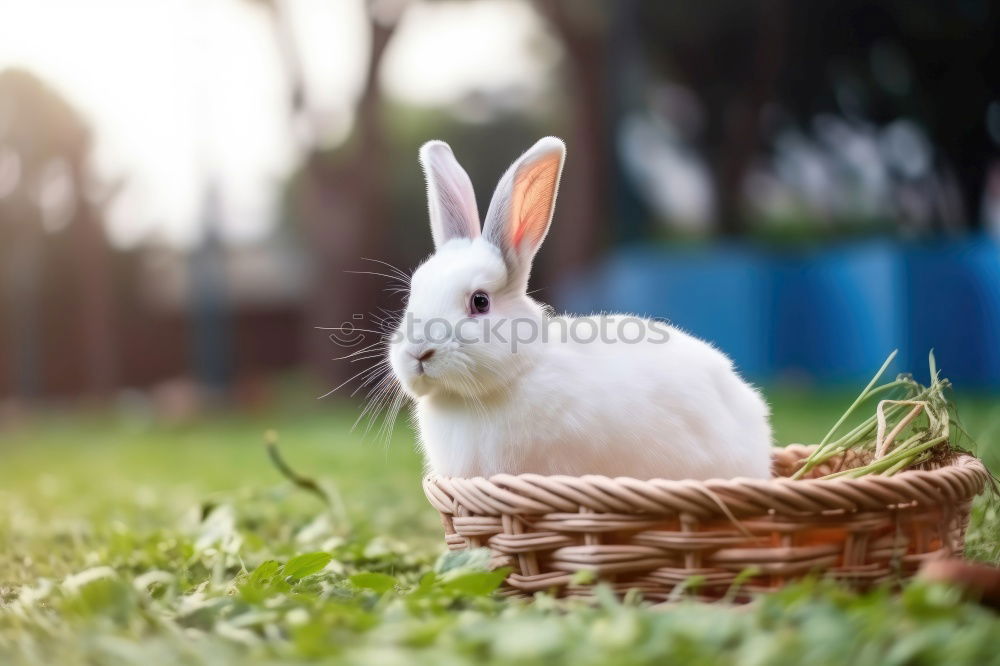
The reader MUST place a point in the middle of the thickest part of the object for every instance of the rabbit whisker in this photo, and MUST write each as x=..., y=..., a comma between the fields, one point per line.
x=369, y=378
x=377, y=274
x=399, y=272
x=347, y=381
x=363, y=350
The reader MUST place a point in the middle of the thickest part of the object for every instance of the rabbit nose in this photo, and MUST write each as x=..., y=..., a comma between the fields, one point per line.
x=422, y=354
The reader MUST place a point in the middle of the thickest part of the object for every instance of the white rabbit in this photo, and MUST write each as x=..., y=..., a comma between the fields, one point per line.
x=501, y=385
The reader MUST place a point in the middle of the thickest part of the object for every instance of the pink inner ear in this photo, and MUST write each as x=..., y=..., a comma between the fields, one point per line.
x=534, y=193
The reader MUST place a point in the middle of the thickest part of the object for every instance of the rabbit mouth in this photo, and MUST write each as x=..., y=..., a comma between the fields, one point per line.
x=420, y=384
x=416, y=378
x=421, y=369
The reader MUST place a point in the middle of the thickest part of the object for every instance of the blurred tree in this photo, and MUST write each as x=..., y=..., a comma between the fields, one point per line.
x=935, y=63
x=729, y=53
x=51, y=192
x=339, y=197
x=928, y=61
x=582, y=27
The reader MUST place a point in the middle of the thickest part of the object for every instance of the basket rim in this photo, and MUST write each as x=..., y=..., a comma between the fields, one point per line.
x=956, y=481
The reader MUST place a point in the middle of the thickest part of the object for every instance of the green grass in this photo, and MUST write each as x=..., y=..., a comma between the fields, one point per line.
x=124, y=541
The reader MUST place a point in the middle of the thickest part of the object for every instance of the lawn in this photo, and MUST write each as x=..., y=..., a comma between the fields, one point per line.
x=128, y=541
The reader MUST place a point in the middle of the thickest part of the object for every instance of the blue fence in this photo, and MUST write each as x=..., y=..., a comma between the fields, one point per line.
x=831, y=314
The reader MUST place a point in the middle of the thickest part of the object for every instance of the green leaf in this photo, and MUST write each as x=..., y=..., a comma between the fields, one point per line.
x=476, y=584
x=307, y=564
x=379, y=582
x=264, y=573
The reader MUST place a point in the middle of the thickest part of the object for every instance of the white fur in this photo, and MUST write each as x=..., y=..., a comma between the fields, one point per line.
x=674, y=409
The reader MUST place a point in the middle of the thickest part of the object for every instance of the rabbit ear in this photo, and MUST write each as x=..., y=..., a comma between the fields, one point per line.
x=450, y=198
x=521, y=209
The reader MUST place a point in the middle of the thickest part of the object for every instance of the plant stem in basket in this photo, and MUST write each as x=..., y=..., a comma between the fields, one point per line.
x=858, y=438
x=892, y=417
x=825, y=450
x=860, y=399
x=890, y=464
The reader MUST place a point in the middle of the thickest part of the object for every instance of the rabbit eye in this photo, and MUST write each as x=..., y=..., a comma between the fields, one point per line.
x=480, y=303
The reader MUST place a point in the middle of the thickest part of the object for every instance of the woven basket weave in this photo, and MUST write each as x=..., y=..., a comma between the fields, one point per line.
x=653, y=535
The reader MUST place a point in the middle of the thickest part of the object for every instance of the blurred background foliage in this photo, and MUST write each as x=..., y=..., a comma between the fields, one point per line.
x=184, y=187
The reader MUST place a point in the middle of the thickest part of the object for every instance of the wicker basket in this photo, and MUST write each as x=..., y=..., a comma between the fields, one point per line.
x=653, y=535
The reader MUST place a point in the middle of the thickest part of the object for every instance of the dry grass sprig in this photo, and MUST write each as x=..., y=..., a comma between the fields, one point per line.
x=911, y=425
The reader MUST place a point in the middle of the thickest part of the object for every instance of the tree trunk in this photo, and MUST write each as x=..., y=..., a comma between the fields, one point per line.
x=341, y=202
x=344, y=205
x=741, y=120
x=583, y=197
x=96, y=300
